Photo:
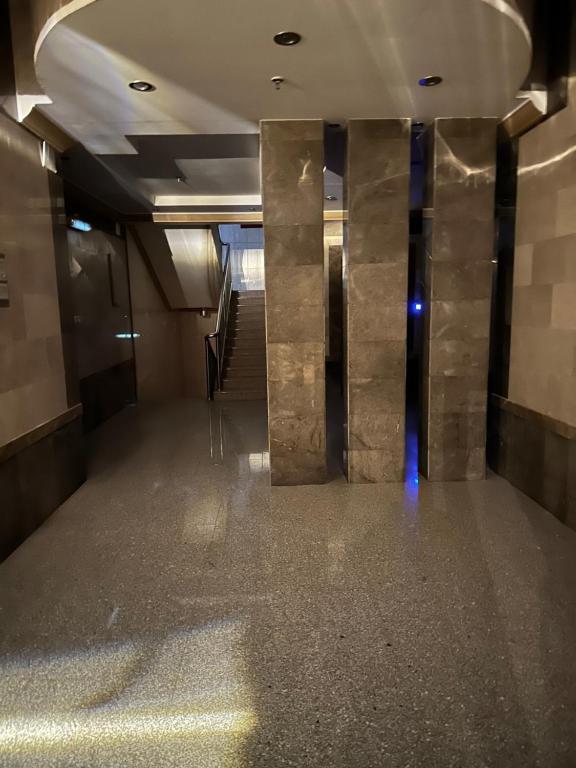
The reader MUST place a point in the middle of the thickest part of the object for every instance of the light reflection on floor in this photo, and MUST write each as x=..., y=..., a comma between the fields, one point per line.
x=180, y=699
x=177, y=611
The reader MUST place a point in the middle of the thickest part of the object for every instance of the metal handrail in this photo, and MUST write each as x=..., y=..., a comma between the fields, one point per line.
x=215, y=342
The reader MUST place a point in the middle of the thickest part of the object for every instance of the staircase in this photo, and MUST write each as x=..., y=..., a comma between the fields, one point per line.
x=244, y=373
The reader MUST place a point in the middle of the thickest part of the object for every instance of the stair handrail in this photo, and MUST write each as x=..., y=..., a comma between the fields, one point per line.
x=215, y=342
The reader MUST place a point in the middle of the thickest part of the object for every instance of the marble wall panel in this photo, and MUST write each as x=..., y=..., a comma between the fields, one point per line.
x=536, y=453
x=32, y=372
x=292, y=158
x=458, y=299
x=543, y=336
x=376, y=238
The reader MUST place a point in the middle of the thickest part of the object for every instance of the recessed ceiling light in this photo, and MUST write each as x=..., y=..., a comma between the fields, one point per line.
x=331, y=197
x=287, y=38
x=429, y=81
x=142, y=86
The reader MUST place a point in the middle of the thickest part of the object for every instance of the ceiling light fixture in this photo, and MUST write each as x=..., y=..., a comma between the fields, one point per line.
x=430, y=81
x=287, y=38
x=142, y=86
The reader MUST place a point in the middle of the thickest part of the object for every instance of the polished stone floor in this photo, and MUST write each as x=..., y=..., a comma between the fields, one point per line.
x=177, y=611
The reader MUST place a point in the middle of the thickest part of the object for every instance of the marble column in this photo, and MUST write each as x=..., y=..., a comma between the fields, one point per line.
x=458, y=280
x=292, y=158
x=376, y=238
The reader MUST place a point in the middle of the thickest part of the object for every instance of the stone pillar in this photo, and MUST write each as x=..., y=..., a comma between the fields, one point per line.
x=292, y=157
x=376, y=241
x=458, y=290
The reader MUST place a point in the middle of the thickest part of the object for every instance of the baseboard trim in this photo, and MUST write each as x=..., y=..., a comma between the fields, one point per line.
x=536, y=453
x=27, y=439
x=39, y=478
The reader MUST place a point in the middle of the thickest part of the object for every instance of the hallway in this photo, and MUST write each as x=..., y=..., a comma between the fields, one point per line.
x=178, y=611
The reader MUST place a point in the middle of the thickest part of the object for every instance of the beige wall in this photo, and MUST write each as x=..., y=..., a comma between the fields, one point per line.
x=543, y=345
x=194, y=327
x=159, y=361
x=170, y=345
x=102, y=315
x=32, y=380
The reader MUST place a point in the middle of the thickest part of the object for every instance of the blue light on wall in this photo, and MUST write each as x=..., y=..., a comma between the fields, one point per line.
x=417, y=307
x=81, y=226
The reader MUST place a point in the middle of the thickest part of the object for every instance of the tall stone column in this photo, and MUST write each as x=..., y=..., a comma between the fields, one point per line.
x=376, y=238
x=292, y=157
x=458, y=288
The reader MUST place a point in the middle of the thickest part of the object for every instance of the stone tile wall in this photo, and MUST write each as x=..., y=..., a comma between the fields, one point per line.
x=458, y=286
x=376, y=283
x=292, y=187
x=543, y=341
x=32, y=375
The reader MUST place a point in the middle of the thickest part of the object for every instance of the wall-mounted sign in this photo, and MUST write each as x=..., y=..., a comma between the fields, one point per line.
x=81, y=226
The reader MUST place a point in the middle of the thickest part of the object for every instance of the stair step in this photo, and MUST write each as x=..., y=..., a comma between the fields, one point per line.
x=257, y=313
x=248, y=312
x=258, y=379
x=243, y=354
x=243, y=367
x=249, y=309
x=252, y=334
x=248, y=325
x=250, y=385
x=258, y=366
x=246, y=375
x=260, y=301
x=244, y=345
x=240, y=395
x=257, y=354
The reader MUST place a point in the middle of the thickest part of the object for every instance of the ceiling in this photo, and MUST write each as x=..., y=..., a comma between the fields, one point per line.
x=211, y=63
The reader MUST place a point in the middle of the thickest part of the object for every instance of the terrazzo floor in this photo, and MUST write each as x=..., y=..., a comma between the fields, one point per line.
x=177, y=611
